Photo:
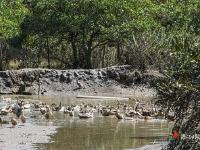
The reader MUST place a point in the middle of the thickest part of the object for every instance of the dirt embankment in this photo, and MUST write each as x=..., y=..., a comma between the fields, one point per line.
x=50, y=81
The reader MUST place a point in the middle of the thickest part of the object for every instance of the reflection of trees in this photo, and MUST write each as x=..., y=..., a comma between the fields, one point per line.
x=102, y=133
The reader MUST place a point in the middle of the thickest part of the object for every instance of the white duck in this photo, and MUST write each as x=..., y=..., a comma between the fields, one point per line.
x=85, y=115
x=23, y=118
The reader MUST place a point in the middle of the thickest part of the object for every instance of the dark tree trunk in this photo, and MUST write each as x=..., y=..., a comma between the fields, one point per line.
x=48, y=53
x=40, y=46
x=88, y=51
x=74, y=50
x=88, y=54
x=103, y=57
x=1, y=56
x=62, y=57
x=118, y=53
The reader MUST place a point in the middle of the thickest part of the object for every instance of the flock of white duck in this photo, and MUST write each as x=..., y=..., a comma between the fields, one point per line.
x=83, y=111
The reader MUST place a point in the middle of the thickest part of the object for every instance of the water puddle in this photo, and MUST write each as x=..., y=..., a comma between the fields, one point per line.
x=98, y=133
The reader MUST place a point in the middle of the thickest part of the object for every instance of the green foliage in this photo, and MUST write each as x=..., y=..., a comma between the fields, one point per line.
x=11, y=15
x=180, y=90
x=88, y=25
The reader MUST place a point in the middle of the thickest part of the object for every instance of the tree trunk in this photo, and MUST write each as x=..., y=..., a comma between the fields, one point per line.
x=40, y=47
x=1, y=56
x=118, y=53
x=88, y=54
x=48, y=53
x=74, y=50
x=62, y=57
x=103, y=57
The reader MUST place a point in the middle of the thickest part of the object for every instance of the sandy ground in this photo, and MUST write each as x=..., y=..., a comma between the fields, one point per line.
x=24, y=137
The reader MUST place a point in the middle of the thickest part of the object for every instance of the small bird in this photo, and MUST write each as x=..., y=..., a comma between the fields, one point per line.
x=48, y=113
x=13, y=122
x=119, y=116
x=71, y=113
x=43, y=110
x=19, y=112
x=23, y=119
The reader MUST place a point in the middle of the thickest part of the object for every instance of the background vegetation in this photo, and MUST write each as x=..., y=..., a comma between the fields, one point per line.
x=147, y=34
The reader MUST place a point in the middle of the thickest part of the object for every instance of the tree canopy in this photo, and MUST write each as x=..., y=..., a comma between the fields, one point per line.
x=11, y=16
x=86, y=25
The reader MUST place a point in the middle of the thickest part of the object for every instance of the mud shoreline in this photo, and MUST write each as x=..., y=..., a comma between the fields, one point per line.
x=151, y=147
x=24, y=137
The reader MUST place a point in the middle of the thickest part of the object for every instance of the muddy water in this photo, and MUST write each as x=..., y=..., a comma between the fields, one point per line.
x=105, y=134
x=98, y=133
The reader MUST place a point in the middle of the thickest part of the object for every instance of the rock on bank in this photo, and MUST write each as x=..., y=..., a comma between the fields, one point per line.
x=49, y=81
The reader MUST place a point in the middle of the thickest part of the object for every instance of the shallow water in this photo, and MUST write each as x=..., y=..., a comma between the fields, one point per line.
x=105, y=133
x=98, y=133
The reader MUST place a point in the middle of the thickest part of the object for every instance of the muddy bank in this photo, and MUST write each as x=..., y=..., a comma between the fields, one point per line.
x=150, y=147
x=116, y=80
x=24, y=137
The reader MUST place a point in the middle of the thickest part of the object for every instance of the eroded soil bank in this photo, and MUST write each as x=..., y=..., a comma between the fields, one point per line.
x=116, y=80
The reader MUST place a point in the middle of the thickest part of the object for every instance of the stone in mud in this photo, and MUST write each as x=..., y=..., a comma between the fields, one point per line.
x=4, y=74
x=80, y=77
x=80, y=85
x=87, y=72
x=99, y=77
x=63, y=78
x=103, y=73
x=8, y=83
x=112, y=74
x=14, y=77
x=68, y=79
x=76, y=74
x=21, y=89
x=28, y=76
x=41, y=72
